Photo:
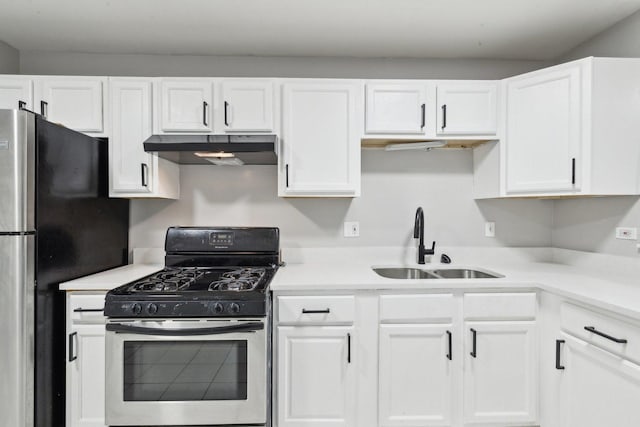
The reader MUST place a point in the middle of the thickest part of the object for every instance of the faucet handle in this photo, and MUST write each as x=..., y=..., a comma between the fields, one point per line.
x=431, y=251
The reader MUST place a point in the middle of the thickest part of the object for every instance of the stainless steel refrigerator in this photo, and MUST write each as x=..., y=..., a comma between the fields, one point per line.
x=56, y=224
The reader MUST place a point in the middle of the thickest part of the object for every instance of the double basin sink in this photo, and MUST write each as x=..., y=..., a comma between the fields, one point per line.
x=438, y=273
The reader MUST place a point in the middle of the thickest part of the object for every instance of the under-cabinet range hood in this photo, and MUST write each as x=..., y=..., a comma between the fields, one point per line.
x=234, y=150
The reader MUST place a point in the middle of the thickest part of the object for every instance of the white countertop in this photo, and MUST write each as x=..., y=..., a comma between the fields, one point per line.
x=609, y=282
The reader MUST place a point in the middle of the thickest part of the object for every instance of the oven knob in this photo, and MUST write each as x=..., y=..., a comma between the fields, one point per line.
x=234, y=308
x=218, y=308
x=136, y=308
x=152, y=308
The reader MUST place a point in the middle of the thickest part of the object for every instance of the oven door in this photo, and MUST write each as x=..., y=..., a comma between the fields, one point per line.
x=186, y=372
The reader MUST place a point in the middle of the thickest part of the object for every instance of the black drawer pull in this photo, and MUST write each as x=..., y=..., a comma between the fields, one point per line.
x=449, y=356
x=603, y=335
x=558, y=348
x=325, y=311
x=348, y=348
x=88, y=310
x=474, y=343
x=72, y=337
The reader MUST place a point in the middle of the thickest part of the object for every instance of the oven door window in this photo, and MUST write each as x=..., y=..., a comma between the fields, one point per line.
x=185, y=370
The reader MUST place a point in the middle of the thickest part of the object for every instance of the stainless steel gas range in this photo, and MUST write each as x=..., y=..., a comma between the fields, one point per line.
x=189, y=345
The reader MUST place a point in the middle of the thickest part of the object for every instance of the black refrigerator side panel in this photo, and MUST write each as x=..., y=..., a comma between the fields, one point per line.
x=79, y=231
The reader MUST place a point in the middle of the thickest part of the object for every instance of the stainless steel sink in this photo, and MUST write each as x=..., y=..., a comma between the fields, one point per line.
x=441, y=273
x=463, y=273
x=404, y=273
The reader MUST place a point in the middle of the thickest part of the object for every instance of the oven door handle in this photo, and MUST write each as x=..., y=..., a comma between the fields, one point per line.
x=128, y=329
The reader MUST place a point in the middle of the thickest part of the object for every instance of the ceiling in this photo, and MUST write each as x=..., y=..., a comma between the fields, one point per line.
x=506, y=29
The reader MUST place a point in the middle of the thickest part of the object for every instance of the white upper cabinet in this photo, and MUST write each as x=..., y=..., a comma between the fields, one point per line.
x=567, y=130
x=466, y=108
x=184, y=105
x=320, y=138
x=543, y=131
x=75, y=102
x=15, y=90
x=134, y=172
x=396, y=108
x=247, y=105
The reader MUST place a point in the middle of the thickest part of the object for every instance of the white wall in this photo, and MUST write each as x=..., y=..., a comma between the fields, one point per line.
x=64, y=63
x=9, y=59
x=589, y=224
x=393, y=186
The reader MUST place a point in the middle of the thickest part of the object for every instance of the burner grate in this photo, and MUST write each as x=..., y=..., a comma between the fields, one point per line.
x=244, y=279
x=167, y=281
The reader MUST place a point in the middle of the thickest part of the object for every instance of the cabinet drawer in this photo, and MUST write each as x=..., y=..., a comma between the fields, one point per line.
x=417, y=308
x=575, y=319
x=312, y=309
x=490, y=306
x=86, y=308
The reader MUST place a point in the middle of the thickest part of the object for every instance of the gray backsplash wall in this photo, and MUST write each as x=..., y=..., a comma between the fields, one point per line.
x=589, y=224
x=393, y=186
x=9, y=59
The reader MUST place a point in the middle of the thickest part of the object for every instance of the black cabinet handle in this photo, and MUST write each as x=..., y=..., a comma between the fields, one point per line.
x=573, y=171
x=558, y=348
x=423, y=108
x=602, y=334
x=325, y=311
x=44, y=108
x=449, y=339
x=474, y=342
x=21, y=105
x=144, y=170
x=205, y=107
x=348, y=348
x=72, y=337
x=88, y=310
x=444, y=116
x=226, y=113
x=286, y=175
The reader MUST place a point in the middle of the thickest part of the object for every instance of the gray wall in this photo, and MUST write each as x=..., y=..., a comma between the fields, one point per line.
x=9, y=59
x=589, y=224
x=33, y=62
x=393, y=186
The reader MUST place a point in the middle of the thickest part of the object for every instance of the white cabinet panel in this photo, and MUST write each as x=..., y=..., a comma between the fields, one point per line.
x=500, y=374
x=247, y=105
x=75, y=102
x=185, y=105
x=16, y=89
x=598, y=388
x=416, y=375
x=395, y=108
x=321, y=139
x=543, y=132
x=467, y=108
x=315, y=377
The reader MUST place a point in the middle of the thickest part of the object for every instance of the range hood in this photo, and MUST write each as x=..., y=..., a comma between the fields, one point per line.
x=232, y=150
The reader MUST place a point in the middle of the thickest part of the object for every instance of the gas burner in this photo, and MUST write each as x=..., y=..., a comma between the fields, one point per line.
x=244, y=279
x=167, y=281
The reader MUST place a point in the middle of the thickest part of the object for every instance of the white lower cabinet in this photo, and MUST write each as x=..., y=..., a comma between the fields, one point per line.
x=415, y=375
x=500, y=373
x=316, y=376
x=85, y=396
x=598, y=388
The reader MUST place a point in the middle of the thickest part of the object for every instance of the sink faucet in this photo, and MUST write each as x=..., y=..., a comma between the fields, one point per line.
x=418, y=233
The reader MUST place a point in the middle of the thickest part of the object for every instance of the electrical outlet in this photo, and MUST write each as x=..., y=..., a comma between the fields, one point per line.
x=627, y=233
x=352, y=229
x=490, y=229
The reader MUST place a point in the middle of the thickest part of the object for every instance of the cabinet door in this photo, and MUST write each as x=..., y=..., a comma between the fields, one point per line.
x=466, y=109
x=131, y=167
x=16, y=89
x=396, y=108
x=85, y=376
x=321, y=139
x=416, y=375
x=247, y=105
x=598, y=388
x=75, y=102
x=500, y=374
x=316, y=376
x=185, y=105
x=543, y=132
